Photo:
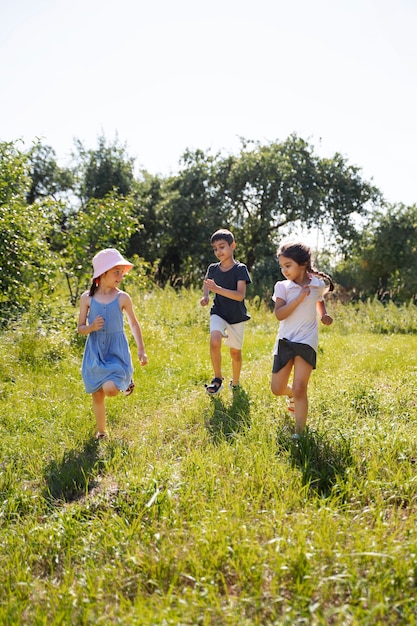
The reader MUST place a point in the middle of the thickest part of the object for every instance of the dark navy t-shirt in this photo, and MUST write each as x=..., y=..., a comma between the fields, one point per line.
x=231, y=311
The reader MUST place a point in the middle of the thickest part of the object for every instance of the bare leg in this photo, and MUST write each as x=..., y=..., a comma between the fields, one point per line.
x=302, y=372
x=99, y=410
x=216, y=353
x=279, y=381
x=236, y=365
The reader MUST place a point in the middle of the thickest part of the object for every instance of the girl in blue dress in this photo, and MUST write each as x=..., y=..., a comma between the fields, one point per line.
x=107, y=363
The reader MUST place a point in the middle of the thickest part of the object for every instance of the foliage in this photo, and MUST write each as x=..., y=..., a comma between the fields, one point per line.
x=147, y=195
x=269, y=187
x=107, y=169
x=46, y=177
x=27, y=263
x=377, y=317
x=14, y=180
x=264, y=193
x=384, y=263
x=189, y=210
x=202, y=510
x=105, y=223
x=259, y=194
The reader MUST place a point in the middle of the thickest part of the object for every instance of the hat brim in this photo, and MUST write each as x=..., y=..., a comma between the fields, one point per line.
x=125, y=264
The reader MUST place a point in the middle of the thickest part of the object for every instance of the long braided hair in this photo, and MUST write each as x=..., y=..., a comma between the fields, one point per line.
x=94, y=285
x=301, y=254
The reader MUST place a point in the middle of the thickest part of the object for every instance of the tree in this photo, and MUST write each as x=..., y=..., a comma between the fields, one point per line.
x=260, y=194
x=189, y=208
x=269, y=187
x=26, y=262
x=104, y=170
x=103, y=182
x=47, y=179
x=384, y=260
x=147, y=197
x=106, y=223
x=14, y=178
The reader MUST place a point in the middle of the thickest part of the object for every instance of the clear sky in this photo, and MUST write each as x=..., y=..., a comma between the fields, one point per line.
x=167, y=75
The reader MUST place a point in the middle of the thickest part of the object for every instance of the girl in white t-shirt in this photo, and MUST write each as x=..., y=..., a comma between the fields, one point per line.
x=298, y=300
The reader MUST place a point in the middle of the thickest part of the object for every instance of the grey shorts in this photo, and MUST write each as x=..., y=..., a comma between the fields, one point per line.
x=288, y=350
x=232, y=333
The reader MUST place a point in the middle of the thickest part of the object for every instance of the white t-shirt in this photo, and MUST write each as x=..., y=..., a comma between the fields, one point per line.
x=302, y=325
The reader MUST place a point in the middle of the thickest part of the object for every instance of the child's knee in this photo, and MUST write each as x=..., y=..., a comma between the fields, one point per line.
x=278, y=387
x=110, y=388
x=216, y=339
x=236, y=354
x=277, y=390
x=299, y=389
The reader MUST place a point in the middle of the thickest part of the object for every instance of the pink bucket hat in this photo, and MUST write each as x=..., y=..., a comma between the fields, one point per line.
x=108, y=258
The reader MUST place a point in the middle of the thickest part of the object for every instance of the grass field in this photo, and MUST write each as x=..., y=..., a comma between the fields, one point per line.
x=202, y=510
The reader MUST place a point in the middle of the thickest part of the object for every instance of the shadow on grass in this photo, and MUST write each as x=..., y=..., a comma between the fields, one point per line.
x=73, y=476
x=323, y=463
x=229, y=418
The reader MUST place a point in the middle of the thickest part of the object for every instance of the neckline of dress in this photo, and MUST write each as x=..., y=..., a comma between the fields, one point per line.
x=107, y=303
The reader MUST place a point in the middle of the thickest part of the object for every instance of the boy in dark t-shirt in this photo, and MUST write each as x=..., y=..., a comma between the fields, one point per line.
x=227, y=280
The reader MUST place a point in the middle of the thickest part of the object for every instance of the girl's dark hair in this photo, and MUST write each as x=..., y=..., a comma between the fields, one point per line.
x=301, y=254
x=93, y=287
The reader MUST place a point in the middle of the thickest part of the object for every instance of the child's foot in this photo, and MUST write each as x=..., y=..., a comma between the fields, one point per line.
x=215, y=386
x=233, y=387
x=290, y=404
x=130, y=389
x=100, y=435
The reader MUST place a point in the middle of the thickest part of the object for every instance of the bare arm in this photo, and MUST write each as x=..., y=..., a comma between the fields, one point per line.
x=83, y=327
x=324, y=316
x=127, y=306
x=283, y=309
x=234, y=294
x=206, y=294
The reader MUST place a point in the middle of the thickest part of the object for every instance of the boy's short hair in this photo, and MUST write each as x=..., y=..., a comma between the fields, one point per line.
x=222, y=233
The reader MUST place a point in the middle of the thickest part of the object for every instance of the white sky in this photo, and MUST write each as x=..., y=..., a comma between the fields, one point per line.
x=166, y=75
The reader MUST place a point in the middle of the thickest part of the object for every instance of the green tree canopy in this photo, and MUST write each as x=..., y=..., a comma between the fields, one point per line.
x=26, y=261
x=107, y=223
x=106, y=169
x=46, y=177
x=269, y=187
x=260, y=194
x=189, y=208
x=384, y=260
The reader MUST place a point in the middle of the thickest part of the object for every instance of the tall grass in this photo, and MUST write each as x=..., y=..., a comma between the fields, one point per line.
x=202, y=510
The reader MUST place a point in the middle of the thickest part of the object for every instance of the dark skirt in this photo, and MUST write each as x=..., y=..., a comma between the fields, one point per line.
x=288, y=350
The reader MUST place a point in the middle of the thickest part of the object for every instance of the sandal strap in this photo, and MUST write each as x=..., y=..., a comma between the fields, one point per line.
x=215, y=385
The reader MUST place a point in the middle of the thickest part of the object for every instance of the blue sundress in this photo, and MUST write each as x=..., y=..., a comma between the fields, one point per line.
x=107, y=354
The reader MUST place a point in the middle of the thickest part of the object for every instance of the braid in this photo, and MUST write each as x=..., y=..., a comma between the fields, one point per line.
x=93, y=286
x=313, y=270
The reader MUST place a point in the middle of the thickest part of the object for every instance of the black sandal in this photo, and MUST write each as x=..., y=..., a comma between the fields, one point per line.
x=130, y=389
x=215, y=386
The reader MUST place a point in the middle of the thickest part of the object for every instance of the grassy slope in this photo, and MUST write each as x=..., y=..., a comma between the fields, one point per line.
x=200, y=510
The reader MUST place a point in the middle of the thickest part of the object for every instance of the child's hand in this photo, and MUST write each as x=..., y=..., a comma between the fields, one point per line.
x=305, y=291
x=204, y=301
x=98, y=323
x=326, y=320
x=143, y=359
x=210, y=284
